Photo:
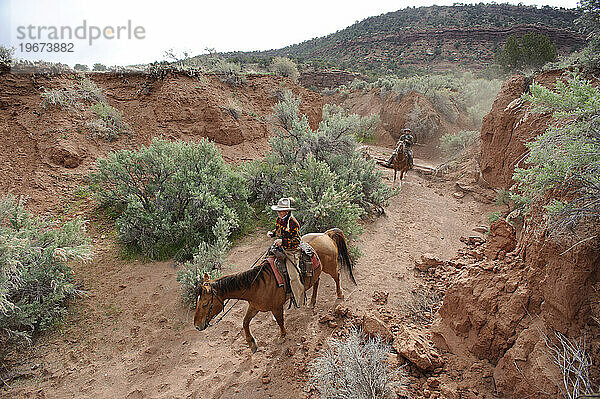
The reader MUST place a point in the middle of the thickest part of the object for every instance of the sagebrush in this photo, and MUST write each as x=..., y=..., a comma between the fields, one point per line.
x=208, y=260
x=108, y=124
x=83, y=91
x=333, y=184
x=168, y=196
x=565, y=160
x=285, y=67
x=355, y=368
x=451, y=144
x=36, y=281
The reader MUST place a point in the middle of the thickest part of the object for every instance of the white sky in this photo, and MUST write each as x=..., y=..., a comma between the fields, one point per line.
x=194, y=25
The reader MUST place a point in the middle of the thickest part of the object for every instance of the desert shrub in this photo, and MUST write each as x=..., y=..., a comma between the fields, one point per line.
x=208, y=259
x=565, y=160
x=109, y=124
x=327, y=201
x=423, y=125
x=354, y=368
x=449, y=94
x=81, y=67
x=169, y=195
x=494, y=216
x=56, y=97
x=35, y=280
x=230, y=73
x=358, y=84
x=442, y=102
x=362, y=128
x=83, y=91
x=6, y=56
x=285, y=67
x=320, y=168
x=454, y=143
x=99, y=67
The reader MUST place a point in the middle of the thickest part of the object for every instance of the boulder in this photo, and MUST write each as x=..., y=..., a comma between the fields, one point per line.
x=414, y=346
x=373, y=327
x=502, y=239
x=427, y=262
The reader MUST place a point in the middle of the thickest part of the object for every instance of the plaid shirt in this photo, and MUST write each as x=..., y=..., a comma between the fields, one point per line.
x=288, y=229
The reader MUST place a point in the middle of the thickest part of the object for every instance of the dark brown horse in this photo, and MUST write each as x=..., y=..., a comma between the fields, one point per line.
x=259, y=287
x=401, y=160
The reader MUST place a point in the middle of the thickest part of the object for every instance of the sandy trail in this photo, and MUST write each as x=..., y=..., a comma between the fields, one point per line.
x=133, y=338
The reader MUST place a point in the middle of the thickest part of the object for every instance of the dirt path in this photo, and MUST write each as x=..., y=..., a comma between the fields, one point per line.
x=133, y=338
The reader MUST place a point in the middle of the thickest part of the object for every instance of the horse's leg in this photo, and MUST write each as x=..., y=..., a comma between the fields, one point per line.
x=395, y=171
x=338, y=286
x=278, y=314
x=313, y=298
x=250, y=313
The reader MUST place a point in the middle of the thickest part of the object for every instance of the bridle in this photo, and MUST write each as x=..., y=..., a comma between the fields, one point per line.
x=212, y=299
x=224, y=303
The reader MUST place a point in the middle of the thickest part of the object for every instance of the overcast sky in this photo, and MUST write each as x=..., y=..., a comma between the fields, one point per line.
x=187, y=25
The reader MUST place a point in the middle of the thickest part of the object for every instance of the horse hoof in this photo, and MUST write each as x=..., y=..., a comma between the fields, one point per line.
x=280, y=340
x=253, y=348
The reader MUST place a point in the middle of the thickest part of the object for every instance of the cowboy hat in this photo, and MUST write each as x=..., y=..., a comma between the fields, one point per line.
x=284, y=204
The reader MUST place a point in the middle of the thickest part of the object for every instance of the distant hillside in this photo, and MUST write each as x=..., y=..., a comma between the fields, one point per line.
x=436, y=37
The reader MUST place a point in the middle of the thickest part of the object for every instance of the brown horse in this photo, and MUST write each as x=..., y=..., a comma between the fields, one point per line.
x=401, y=159
x=259, y=287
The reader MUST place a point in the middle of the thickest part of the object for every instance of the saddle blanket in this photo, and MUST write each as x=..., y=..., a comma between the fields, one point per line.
x=308, y=255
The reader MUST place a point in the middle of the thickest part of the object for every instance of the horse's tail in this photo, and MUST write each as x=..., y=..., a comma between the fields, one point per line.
x=337, y=235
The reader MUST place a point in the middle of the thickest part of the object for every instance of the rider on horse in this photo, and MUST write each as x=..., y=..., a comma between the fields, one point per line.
x=287, y=231
x=407, y=140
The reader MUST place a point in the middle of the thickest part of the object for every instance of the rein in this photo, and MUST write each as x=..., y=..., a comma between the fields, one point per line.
x=224, y=303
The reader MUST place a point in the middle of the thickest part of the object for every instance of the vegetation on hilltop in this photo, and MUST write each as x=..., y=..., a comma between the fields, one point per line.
x=352, y=47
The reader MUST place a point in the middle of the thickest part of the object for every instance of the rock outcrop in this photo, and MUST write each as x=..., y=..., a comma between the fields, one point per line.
x=499, y=307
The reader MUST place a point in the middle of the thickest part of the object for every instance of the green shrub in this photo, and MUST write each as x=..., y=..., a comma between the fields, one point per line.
x=332, y=183
x=449, y=94
x=285, y=67
x=99, y=67
x=494, y=216
x=109, y=124
x=81, y=67
x=169, y=196
x=362, y=128
x=358, y=84
x=529, y=50
x=326, y=200
x=354, y=368
x=231, y=73
x=455, y=143
x=35, y=280
x=565, y=160
x=208, y=259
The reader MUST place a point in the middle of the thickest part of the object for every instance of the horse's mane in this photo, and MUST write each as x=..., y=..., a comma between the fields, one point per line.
x=240, y=281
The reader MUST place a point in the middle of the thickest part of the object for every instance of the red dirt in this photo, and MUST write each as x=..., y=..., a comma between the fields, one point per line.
x=133, y=338
x=47, y=153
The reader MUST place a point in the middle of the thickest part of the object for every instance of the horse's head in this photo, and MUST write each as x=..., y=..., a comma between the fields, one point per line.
x=208, y=305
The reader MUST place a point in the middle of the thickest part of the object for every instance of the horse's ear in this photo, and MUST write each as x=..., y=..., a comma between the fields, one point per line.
x=206, y=278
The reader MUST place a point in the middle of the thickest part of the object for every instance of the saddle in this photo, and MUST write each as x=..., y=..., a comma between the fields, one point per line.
x=308, y=262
